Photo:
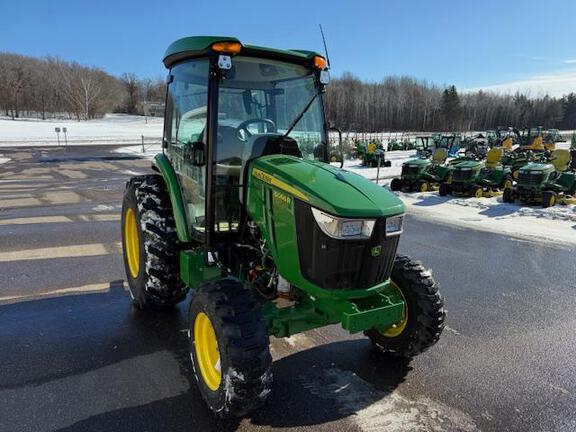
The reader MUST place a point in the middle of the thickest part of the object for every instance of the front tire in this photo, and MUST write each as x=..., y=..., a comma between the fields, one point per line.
x=549, y=199
x=229, y=348
x=424, y=317
x=149, y=244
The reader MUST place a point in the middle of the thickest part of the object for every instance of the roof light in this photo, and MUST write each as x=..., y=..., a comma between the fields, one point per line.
x=227, y=47
x=320, y=62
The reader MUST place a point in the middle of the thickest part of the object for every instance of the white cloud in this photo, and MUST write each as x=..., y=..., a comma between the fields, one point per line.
x=553, y=84
x=570, y=61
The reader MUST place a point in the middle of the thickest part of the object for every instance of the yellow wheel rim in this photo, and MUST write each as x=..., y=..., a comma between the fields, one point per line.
x=515, y=174
x=507, y=184
x=479, y=193
x=424, y=187
x=132, y=242
x=399, y=327
x=206, y=346
x=552, y=200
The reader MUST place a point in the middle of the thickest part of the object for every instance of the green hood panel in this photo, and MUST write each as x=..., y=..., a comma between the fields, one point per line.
x=418, y=162
x=328, y=188
x=469, y=164
x=534, y=166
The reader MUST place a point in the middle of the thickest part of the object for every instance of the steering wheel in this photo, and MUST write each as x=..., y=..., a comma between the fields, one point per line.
x=244, y=127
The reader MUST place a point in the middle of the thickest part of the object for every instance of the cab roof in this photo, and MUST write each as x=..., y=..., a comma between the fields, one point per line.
x=196, y=46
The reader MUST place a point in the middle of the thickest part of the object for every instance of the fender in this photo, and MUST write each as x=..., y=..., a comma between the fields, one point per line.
x=164, y=167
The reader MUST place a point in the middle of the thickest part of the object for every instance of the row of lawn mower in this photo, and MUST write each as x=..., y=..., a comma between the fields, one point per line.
x=526, y=175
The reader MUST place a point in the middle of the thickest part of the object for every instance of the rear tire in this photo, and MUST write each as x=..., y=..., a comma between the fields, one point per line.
x=476, y=191
x=387, y=164
x=395, y=184
x=549, y=199
x=508, y=182
x=423, y=186
x=244, y=361
x=443, y=189
x=508, y=195
x=153, y=272
x=425, y=310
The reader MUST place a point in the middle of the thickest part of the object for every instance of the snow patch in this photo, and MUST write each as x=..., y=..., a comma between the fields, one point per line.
x=374, y=410
x=104, y=207
x=112, y=129
x=3, y=159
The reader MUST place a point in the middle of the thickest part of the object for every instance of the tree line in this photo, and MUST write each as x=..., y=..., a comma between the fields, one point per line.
x=52, y=87
x=404, y=103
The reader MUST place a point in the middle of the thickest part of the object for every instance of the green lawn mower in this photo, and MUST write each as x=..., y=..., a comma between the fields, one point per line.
x=423, y=175
x=545, y=182
x=270, y=239
x=479, y=178
x=372, y=153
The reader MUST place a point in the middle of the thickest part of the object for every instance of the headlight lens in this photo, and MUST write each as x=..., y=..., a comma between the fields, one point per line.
x=342, y=228
x=394, y=225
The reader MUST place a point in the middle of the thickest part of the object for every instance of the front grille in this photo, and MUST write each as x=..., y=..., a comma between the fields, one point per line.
x=460, y=175
x=335, y=264
x=530, y=179
x=409, y=171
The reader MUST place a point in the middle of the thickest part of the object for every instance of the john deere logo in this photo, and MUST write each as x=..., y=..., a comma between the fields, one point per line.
x=376, y=251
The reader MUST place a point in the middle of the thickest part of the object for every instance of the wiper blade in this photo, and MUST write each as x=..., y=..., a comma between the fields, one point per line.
x=297, y=119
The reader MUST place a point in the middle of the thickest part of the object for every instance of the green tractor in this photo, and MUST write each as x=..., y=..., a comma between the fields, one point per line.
x=372, y=154
x=479, y=178
x=423, y=175
x=545, y=182
x=269, y=237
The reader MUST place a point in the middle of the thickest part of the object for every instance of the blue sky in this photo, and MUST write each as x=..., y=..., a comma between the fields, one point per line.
x=472, y=44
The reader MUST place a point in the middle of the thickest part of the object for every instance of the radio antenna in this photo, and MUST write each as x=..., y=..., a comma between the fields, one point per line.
x=325, y=47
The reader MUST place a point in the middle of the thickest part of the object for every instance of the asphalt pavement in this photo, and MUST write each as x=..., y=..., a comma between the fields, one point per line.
x=76, y=356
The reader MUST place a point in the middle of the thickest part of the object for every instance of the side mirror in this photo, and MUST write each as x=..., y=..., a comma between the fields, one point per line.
x=340, y=149
x=195, y=153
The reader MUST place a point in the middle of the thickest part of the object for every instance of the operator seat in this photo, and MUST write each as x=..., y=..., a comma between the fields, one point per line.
x=439, y=156
x=493, y=157
x=265, y=145
x=561, y=160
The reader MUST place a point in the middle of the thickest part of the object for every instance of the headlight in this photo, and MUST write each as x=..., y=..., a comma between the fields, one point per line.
x=342, y=228
x=394, y=225
x=465, y=169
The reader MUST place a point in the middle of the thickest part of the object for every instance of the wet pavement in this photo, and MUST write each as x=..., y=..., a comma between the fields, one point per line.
x=75, y=356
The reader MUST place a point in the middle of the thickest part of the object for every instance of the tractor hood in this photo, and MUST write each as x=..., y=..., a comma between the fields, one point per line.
x=417, y=162
x=469, y=164
x=534, y=166
x=328, y=188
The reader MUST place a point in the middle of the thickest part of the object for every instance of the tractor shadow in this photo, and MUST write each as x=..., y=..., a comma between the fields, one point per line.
x=328, y=383
x=128, y=370
x=429, y=199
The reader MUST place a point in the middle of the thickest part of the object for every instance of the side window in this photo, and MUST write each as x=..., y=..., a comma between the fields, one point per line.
x=186, y=113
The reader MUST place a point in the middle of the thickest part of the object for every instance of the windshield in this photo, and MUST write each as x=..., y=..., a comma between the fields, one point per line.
x=265, y=96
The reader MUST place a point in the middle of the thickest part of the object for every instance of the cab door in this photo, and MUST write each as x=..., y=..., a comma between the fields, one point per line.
x=184, y=131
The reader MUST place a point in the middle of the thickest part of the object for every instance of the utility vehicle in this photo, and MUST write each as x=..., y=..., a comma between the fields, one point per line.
x=545, y=182
x=245, y=212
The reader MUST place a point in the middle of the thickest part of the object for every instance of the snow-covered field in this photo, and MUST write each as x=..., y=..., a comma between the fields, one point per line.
x=112, y=129
x=557, y=224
